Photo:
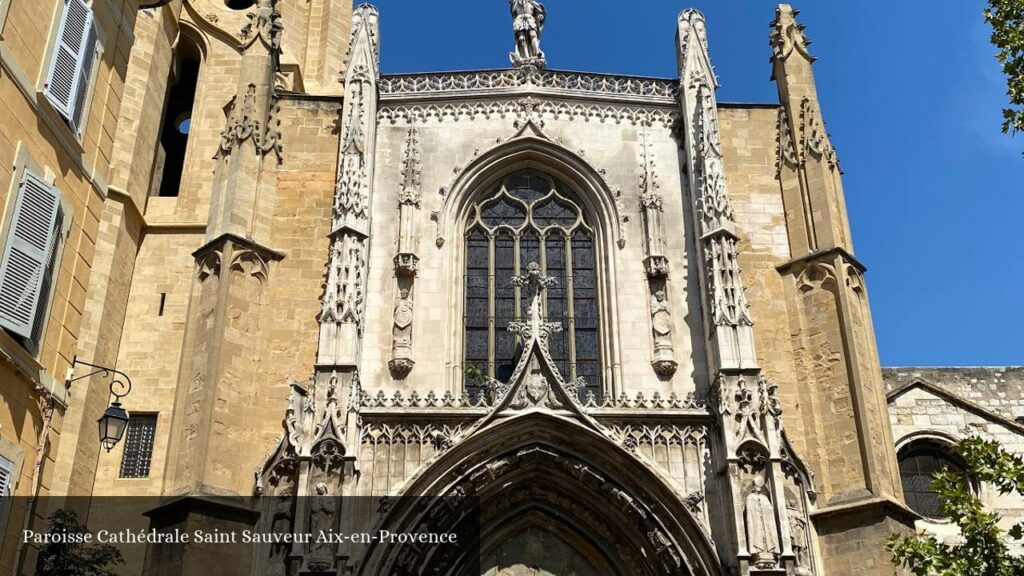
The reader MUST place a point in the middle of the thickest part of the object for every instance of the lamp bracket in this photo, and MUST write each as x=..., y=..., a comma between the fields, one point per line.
x=120, y=383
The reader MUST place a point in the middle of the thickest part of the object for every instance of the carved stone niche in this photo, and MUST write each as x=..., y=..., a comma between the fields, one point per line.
x=656, y=266
x=759, y=517
x=405, y=264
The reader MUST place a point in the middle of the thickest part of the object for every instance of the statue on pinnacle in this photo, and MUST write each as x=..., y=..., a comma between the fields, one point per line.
x=528, y=22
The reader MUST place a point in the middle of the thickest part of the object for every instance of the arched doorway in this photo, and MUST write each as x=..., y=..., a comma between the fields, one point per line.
x=543, y=493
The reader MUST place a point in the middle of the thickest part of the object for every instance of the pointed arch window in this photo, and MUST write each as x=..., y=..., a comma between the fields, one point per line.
x=530, y=217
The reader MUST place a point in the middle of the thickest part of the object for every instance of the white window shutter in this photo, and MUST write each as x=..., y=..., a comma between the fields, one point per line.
x=6, y=472
x=27, y=254
x=65, y=67
x=79, y=116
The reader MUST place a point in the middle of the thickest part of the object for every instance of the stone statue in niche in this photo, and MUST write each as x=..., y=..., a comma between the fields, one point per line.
x=661, y=320
x=798, y=536
x=402, y=331
x=322, y=516
x=280, y=523
x=528, y=22
x=762, y=534
x=401, y=362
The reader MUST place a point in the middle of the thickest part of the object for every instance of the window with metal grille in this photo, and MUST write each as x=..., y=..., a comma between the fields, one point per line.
x=138, y=446
x=919, y=462
x=530, y=217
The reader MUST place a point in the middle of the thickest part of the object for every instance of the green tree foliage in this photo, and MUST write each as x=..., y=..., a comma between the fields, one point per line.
x=76, y=559
x=1007, y=20
x=982, y=549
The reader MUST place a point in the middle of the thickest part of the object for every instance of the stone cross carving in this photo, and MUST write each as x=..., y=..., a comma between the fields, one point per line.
x=528, y=22
x=535, y=326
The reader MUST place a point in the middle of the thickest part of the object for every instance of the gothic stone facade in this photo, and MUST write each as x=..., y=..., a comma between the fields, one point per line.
x=624, y=317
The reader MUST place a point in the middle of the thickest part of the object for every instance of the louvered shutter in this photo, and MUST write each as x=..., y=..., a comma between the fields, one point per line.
x=68, y=57
x=44, y=289
x=27, y=254
x=79, y=116
x=6, y=472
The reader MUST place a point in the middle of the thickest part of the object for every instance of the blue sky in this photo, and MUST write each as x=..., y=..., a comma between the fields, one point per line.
x=911, y=94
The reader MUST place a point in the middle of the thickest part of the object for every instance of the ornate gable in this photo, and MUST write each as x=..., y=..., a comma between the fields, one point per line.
x=536, y=383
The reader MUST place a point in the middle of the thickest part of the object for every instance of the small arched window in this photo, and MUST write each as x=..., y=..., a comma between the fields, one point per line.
x=919, y=462
x=530, y=217
x=177, y=120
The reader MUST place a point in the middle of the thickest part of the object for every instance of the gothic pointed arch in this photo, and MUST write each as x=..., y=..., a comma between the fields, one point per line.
x=530, y=147
x=530, y=151
x=542, y=471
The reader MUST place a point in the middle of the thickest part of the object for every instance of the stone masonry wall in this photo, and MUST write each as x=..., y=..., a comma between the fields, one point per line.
x=920, y=413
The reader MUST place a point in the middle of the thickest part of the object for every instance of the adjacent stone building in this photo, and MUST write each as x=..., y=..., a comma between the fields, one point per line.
x=931, y=409
x=63, y=67
x=618, y=318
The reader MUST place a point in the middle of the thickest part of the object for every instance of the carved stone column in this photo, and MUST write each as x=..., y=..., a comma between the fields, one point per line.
x=751, y=447
x=406, y=260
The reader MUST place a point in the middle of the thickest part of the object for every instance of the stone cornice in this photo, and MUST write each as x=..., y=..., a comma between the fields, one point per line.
x=881, y=505
x=820, y=255
x=267, y=253
x=490, y=83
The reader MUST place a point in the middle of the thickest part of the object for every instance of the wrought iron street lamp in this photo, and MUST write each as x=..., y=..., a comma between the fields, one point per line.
x=114, y=421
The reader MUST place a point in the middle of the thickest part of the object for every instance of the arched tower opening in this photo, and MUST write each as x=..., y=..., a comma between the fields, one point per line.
x=177, y=119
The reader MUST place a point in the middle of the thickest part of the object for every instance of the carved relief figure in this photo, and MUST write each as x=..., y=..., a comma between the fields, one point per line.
x=528, y=22
x=762, y=536
x=322, y=517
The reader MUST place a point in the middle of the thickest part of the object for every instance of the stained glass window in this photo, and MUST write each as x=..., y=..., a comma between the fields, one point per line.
x=530, y=217
x=138, y=446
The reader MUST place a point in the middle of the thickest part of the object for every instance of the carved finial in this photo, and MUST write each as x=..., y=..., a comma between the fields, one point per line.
x=265, y=24
x=528, y=18
x=411, y=169
x=787, y=35
x=363, y=45
x=649, y=196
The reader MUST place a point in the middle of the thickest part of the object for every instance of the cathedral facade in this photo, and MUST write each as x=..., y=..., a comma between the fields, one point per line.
x=619, y=319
